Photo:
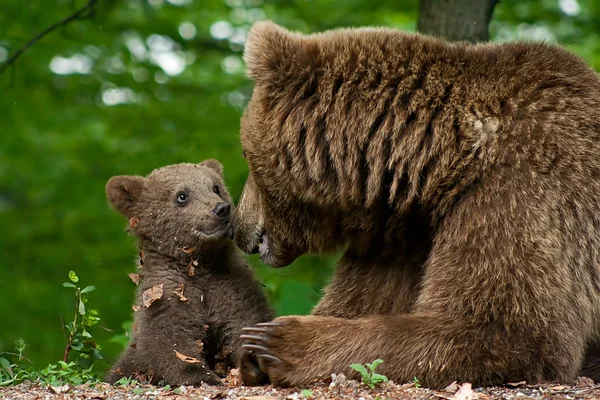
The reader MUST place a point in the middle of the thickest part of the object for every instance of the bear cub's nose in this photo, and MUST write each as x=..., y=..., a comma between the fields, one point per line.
x=222, y=210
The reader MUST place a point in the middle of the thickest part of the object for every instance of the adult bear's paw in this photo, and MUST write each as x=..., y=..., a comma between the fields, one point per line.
x=284, y=349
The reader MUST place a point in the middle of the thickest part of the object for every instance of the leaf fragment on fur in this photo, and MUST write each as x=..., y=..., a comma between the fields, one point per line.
x=187, y=359
x=135, y=278
x=188, y=250
x=151, y=295
x=179, y=292
x=133, y=221
x=191, y=270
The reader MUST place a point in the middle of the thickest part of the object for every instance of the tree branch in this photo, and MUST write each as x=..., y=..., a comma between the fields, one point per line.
x=79, y=14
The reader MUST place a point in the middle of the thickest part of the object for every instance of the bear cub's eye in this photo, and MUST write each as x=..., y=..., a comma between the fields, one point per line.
x=217, y=190
x=182, y=197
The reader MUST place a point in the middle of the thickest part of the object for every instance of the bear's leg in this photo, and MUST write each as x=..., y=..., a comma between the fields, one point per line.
x=378, y=288
x=590, y=367
x=171, y=344
x=501, y=301
x=126, y=366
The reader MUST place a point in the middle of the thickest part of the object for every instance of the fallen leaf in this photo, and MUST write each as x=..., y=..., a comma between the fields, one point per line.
x=151, y=295
x=584, y=381
x=188, y=250
x=464, y=392
x=133, y=221
x=60, y=389
x=234, y=378
x=187, y=359
x=195, y=263
x=558, y=388
x=516, y=384
x=191, y=270
x=135, y=307
x=259, y=398
x=134, y=277
x=452, y=388
x=179, y=292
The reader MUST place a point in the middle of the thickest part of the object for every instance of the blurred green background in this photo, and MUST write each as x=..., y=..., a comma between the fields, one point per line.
x=145, y=83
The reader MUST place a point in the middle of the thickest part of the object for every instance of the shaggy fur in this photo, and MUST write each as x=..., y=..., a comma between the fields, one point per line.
x=220, y=295
x=464, y=181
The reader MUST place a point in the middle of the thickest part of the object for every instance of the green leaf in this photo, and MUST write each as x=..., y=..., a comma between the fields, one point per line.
x=361, y=369
x=379, y=378
x=73, y=277
x=81, y=308
x=88, y=289
x=375, y=364
x=76, y=346
x=69, y=284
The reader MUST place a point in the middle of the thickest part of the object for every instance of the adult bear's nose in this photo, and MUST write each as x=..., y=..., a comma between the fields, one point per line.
x=222, y=210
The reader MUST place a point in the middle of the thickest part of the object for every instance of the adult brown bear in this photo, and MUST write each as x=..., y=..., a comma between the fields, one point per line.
x=463, y=179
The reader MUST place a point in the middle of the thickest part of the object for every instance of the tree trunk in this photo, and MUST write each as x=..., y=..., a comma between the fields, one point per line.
x=456, y=20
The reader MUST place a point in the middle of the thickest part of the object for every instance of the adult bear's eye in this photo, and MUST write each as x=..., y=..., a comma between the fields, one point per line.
x=182, y=197
x=217, y=190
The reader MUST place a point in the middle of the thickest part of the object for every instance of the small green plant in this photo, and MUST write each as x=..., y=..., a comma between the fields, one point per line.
x=368, y=374
x=12, y=372
x=79, y=341
x=77, y=335
x=416, y=382
x=126, y=381
x=307, y=393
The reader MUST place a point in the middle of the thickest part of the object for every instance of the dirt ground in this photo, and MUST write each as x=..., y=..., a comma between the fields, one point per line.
x=338, y=388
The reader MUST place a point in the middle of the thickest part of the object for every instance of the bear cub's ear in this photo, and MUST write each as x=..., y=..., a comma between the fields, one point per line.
x=123, y=192
x=214, y=165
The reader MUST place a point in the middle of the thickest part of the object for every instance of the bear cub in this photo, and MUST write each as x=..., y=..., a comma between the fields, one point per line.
x=195, y=291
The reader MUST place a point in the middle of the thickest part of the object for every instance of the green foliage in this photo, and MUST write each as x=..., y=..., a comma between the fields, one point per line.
x=307, y=393
x=79, y=341
x=97, y=98
x=11, y=371
x=126, y=381
x=368, y=374
x=416, y=382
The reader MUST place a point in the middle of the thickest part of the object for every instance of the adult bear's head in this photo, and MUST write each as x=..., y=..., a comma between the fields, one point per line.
x=289, y=204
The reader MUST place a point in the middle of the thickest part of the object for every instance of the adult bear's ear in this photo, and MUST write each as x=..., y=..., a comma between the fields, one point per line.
x=273, y=54
x=123, y=193
x=214, y=165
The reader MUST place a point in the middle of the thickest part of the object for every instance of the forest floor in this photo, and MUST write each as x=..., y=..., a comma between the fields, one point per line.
x=339, y=388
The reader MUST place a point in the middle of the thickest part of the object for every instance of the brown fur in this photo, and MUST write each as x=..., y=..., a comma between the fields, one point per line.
x=463, y=179
x=221, y=293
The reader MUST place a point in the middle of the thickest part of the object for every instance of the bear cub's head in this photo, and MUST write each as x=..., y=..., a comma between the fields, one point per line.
x=175, y=207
